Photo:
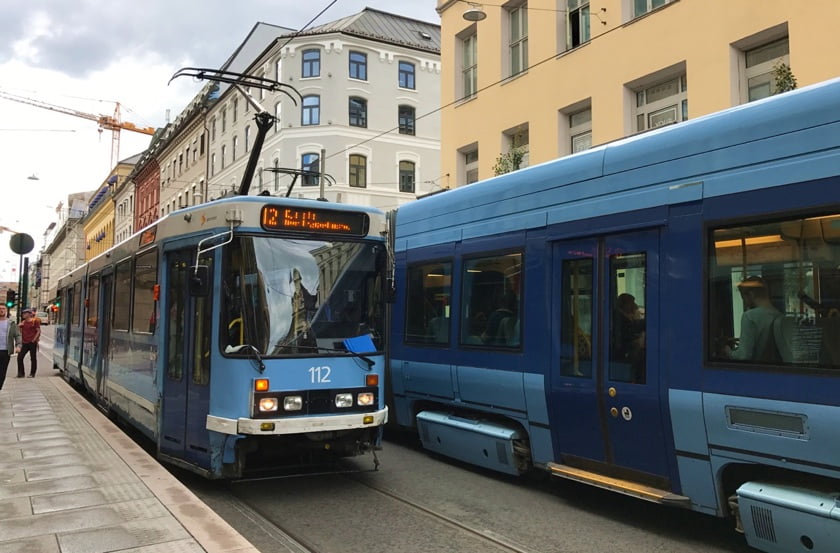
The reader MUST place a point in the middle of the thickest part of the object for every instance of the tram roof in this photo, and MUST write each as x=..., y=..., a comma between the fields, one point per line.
x=685, y=162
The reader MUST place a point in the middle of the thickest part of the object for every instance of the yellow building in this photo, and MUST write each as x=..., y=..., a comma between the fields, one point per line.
x=99, y=221
x=551, y=77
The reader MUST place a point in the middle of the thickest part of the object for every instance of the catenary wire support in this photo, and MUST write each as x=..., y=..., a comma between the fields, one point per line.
x=264, y=120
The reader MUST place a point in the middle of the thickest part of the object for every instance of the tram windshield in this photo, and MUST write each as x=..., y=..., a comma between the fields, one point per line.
x=301, y=297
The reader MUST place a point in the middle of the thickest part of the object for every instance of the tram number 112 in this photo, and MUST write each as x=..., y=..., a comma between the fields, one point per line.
x=320, y=375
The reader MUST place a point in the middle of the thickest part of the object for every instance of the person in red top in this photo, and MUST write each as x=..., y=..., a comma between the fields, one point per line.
x=30, y=331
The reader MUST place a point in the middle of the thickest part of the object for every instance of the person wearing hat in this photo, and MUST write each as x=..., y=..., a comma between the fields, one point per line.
x=9, y=341
x=30, y=332
x=758, y=340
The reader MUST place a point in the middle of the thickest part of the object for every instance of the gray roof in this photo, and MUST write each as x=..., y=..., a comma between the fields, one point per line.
x=385, y=27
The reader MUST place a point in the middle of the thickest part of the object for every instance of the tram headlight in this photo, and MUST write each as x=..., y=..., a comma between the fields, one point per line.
x=343, y=400
x=268, y=404
x=293, y=403
x=364, y=399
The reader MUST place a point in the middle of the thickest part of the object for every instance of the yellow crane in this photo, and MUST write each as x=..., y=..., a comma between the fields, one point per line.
x=111, y=123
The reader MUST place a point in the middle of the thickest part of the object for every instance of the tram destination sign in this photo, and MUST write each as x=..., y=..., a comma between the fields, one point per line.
x=314, y=220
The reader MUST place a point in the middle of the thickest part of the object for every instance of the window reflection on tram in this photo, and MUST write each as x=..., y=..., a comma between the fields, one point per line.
x=293, y=297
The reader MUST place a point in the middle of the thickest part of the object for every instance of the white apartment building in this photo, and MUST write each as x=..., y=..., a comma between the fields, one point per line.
x=366, y=104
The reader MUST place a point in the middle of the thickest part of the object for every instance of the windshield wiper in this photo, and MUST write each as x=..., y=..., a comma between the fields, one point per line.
x=317, y=349
x=252, y=349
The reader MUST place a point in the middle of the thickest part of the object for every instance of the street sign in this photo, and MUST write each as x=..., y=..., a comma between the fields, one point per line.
x=21, y=243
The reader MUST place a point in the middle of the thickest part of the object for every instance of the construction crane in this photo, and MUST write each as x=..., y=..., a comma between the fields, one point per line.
x=111, y=123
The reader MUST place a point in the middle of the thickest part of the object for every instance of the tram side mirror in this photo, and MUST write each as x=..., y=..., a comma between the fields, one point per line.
x=199, y=281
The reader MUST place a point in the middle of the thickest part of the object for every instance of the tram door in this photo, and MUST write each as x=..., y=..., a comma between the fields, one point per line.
x=605, y=380
x=186, y=382
x=104, y=339
x=65, y=324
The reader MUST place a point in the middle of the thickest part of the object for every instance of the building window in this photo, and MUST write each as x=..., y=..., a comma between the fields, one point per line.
x=518, y=138
x=580, y=130
x=310, y=163
x=406, y=75
x=358, y=112
x=224, y=119
x=235, y=148
x=759, y=63
x=213, y=130
x=406, y=119
x=469, y=62
x=311, y=63
x=518, y=39
x=578, y=30
x=235, y=109
x=224, y=152
x=470, y=166
x=278, y=70
x=641, y=7
x=407, y=176
x=311, y=110
x=277, y=111
x=662, y=104
x=213, y=165
x=358, y=171
x=358, y=66
x=247, y=138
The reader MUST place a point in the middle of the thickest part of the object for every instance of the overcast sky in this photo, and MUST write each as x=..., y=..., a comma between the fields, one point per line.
x=88, y=54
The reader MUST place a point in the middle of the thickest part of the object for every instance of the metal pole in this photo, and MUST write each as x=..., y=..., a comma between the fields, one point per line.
x=19, y=288
x=322, y=162
x=25, y=279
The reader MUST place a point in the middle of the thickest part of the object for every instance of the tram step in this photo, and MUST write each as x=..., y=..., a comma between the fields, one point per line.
x=627, y=487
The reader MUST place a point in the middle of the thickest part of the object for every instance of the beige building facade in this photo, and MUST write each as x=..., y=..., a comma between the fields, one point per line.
x=571, y=74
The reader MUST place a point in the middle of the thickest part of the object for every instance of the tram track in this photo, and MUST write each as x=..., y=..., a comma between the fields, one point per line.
x=489, y=536
x=283, y=538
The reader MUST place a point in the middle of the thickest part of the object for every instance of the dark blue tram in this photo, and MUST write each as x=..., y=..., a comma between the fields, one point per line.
x=658, y=316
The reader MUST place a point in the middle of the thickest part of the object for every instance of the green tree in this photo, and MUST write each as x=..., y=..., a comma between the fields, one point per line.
x=783, y=77
x=511, y=161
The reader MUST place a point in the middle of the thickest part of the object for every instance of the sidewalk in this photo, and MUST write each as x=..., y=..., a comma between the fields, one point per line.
x=72, y=482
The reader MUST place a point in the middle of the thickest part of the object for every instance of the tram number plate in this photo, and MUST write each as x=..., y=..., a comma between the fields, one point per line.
x=320, y=375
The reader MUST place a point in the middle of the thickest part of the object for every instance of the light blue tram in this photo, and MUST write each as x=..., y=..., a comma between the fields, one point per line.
x=237, y=333
x=658, y=316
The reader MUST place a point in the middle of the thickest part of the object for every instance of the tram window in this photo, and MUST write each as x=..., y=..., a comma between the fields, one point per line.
x=176, y=311
x=77, y=304
x=576, y=318
x=122, y=296
x=774, y=293
x=92, y=312
x=145, y=314
x=628, y=338
x=202, y=324
x=491, y=301
x=428, y=301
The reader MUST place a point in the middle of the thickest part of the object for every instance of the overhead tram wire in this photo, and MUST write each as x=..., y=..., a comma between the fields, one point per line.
x=459, y=100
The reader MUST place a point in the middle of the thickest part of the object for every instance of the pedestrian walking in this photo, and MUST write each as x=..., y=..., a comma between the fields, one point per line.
x=30, y=332
x=9, y=342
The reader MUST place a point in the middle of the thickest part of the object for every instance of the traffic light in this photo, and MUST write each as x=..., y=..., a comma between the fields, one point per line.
x=11, y=298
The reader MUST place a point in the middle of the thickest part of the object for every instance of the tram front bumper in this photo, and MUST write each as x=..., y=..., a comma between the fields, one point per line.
x=300, y=425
